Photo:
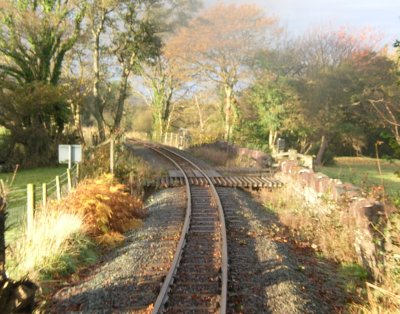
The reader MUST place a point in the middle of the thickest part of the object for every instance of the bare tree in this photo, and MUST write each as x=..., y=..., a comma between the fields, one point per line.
x=219, y=44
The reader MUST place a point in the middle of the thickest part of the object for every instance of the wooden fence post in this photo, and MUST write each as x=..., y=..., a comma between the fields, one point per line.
x=78, y=170
x=58, y=188
x=44, y=195
x=131, y=182
x=30, y=206
x=69, y=156
x=69, y=180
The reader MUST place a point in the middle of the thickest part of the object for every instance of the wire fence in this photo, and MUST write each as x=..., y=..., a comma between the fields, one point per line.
x=17, y=199
x=22, y=202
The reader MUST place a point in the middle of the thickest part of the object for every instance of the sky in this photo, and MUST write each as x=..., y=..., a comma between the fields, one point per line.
x=383, y=16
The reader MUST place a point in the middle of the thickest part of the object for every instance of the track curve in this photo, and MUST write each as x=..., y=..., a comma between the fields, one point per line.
x=198, y=277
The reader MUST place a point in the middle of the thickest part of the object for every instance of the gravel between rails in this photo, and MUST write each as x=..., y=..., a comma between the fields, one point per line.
x=264, y=277
x=129, y=278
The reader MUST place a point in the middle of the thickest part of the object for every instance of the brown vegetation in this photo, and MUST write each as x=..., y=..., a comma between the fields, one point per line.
x=107, y=208
x=332, y=234
x=328, y=234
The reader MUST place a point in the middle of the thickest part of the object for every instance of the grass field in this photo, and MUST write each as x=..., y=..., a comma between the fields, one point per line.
x=17, y=191
x=36, y=176
x=363, y=172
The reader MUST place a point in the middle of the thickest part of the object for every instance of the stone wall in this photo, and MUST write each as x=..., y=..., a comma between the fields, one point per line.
x=368, y=213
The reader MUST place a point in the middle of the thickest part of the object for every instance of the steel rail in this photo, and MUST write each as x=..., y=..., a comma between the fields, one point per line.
x=224, y=249
x=162, y=297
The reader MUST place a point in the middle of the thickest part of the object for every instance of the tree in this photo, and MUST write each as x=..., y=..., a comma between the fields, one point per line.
x=98, y=16
x=378, y=91
x=127, y=34
x=271, y=99
x=328, y=82
x=35, y=37
x=226, y=38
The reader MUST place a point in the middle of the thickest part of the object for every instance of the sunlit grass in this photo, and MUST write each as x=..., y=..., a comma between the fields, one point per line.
x=364, y=172
x=35, y=176
x=47, y=245
x=16, y=193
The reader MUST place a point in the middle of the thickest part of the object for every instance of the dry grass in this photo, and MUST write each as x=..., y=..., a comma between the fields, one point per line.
x=99, y=208
x=214, y=156
x=50, y=239
x=332, y=236
x=384, y=298
x=329, y=234
x=220, y=158
x=380, y=301
x=138, y=135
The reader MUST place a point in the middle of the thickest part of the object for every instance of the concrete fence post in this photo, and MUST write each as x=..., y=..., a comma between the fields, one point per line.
x=292, y=154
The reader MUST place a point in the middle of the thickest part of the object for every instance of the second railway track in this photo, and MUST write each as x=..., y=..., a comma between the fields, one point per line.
x=197, y=279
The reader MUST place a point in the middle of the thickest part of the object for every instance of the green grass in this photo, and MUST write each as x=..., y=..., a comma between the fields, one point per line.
x=363, y=172
x=17, y=192
x=36, y=176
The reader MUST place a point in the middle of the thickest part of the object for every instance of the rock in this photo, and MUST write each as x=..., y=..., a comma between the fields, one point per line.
x=17, y=297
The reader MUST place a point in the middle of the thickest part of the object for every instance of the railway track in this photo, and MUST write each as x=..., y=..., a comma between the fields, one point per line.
x=197, y=279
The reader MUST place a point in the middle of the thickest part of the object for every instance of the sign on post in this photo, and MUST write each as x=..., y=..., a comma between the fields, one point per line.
x=68, y=154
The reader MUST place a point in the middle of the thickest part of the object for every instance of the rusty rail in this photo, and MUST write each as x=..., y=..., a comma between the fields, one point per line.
x=166, y=287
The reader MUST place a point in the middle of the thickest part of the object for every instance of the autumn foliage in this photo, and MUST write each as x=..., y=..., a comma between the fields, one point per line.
x=108, y=210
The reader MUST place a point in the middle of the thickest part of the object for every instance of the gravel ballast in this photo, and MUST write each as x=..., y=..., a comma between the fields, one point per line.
x=128, y=278
x=264, y=277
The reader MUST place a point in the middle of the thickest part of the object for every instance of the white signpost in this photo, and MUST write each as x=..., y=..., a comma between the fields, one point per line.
x=67, y=154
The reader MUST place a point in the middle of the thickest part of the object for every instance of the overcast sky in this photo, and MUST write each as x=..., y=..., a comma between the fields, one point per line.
x=299, y=15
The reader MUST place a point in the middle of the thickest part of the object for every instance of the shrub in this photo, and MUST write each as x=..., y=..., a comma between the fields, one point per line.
x=107, y=209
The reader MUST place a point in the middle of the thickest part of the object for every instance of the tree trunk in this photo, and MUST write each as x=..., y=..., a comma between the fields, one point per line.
x=98, y=103
x=201, y=121
x=397, y=134
x=167, y=108
x=126, y=71
x=121, y=100
x=321, y=151
x=228, y=113
x=170, y=115
x=272, y=139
